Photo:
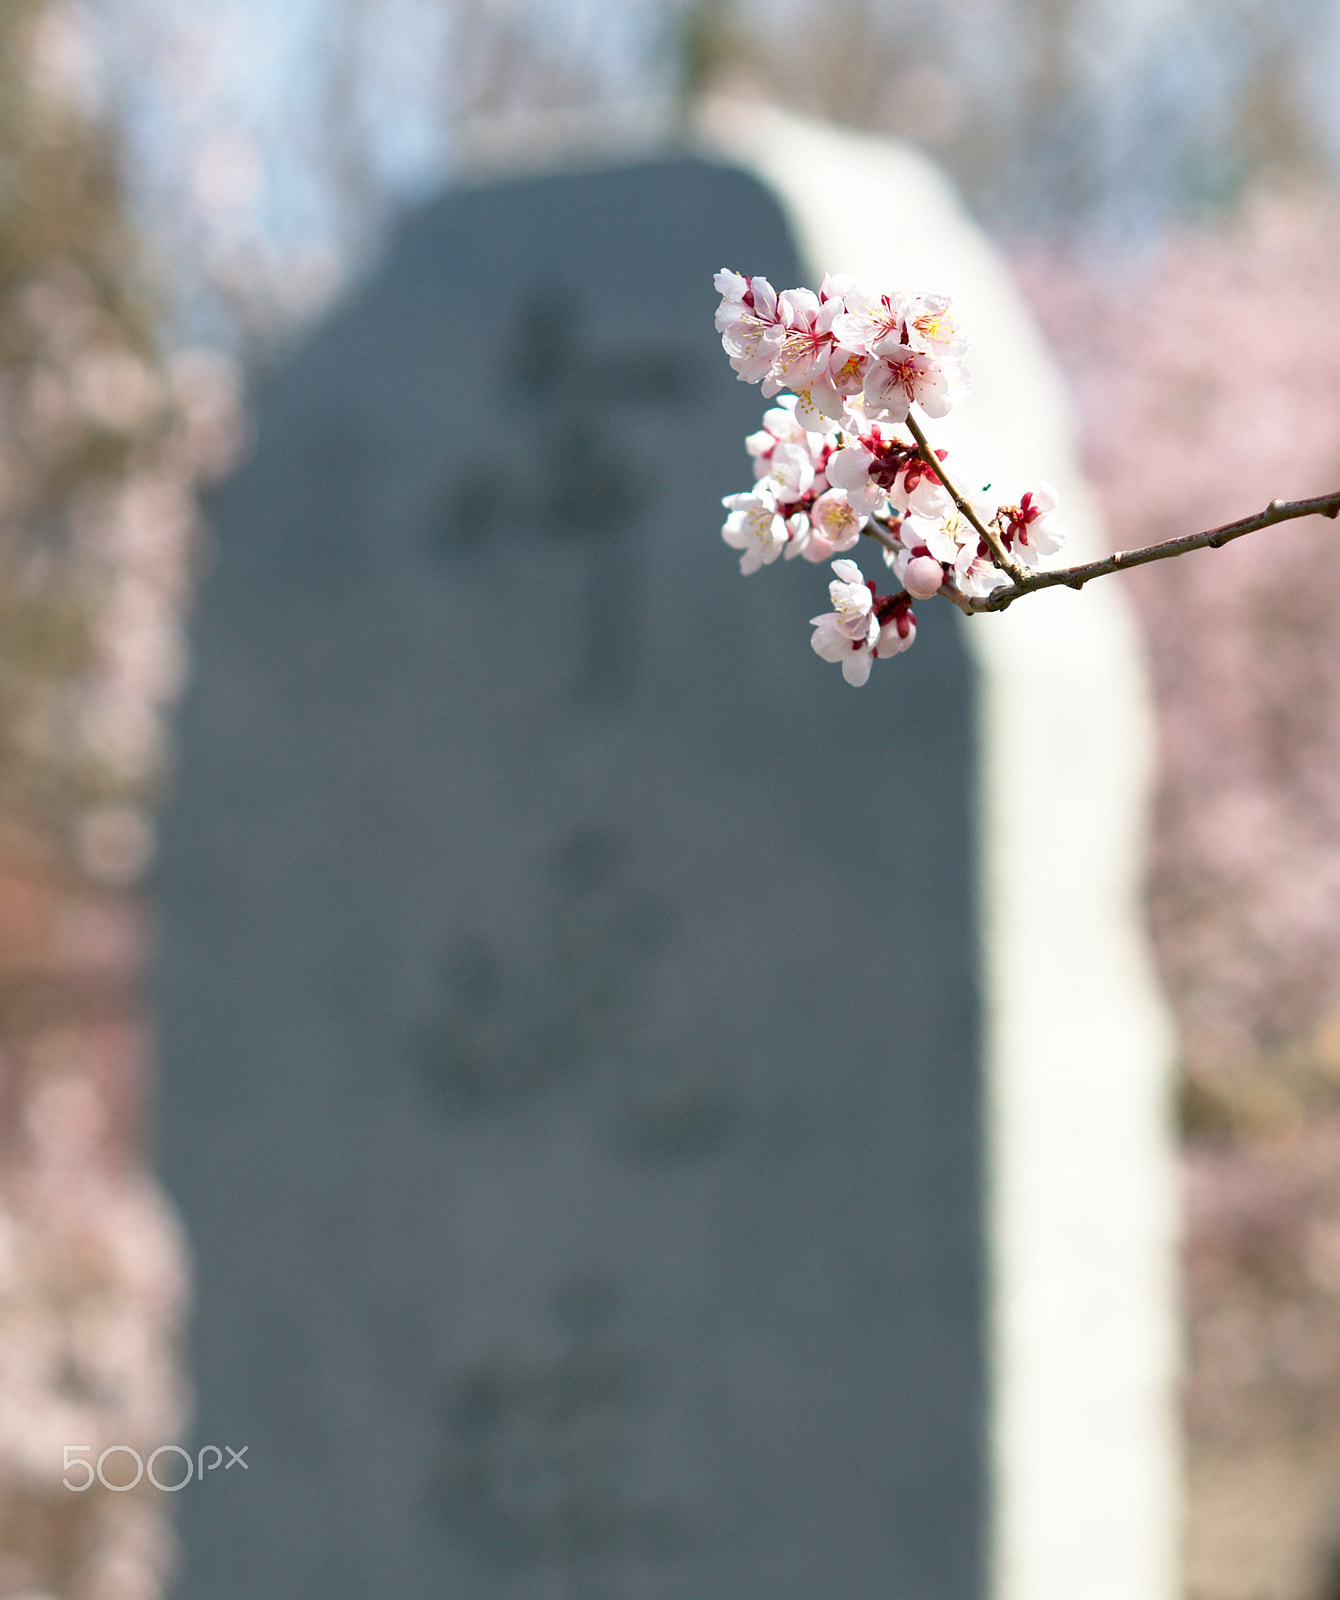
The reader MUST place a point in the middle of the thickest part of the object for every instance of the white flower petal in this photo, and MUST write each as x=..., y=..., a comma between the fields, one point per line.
x=856, y=668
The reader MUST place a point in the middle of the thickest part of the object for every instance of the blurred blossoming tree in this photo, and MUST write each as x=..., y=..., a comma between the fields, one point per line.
x=1245, y=874
x=101, y=445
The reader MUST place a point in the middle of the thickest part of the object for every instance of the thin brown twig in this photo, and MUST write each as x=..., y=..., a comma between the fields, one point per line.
x=1327, y=505
x=875, y=529
x=1003, y=559
x=1025, y=582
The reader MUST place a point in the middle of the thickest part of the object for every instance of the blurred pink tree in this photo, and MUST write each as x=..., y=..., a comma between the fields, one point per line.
x=102, y=441
x=1241, y=401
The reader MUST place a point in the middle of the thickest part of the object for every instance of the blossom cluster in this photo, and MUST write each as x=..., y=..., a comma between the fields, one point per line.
x=863, y=624
x=828, y=348
x=829, y=465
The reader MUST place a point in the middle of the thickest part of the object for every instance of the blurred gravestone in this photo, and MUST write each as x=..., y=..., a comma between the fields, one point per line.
x=570, y=1067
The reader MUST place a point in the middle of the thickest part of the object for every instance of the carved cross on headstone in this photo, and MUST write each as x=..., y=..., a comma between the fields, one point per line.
x=563, y=469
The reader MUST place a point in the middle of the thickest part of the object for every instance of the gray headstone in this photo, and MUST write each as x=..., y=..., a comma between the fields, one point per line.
x=570, y=1056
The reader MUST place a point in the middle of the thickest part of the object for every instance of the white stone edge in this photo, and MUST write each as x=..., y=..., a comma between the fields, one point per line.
x=1082, y=1226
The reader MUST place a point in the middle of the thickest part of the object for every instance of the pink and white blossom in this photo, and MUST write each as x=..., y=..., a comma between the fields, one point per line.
x=1031, y=532
x=807, y=345
x=822, y=372
x=733, y=288
x=868, y=318
x=917, y=493
x=790, y=472
x=750, y=325
x=755, y=526
x=899, y=377
x=779, y=425
x=899, y=631
x=871, y=323
x=835, y=525
x=921, y=571
x=852, y=469
x=930, y=326
x=882, y=475
x=945, y=535
x=800, y=534
x=831, y=644
x=951, y=540
x=975, y=571
x=788, y=455
x=923, y=575
x=842, y=286
x=853, y=602
x=783, y=424
x=862, y=625
x=826, y=402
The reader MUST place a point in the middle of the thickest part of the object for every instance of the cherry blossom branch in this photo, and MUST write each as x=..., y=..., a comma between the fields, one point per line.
x=1212, y=539
x=1003, y=559
x=827, y=468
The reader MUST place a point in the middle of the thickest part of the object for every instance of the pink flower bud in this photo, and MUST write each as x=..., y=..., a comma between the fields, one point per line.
x=923, y=577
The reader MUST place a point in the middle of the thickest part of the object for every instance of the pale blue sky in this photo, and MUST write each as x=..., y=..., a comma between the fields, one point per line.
x=229, y=164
